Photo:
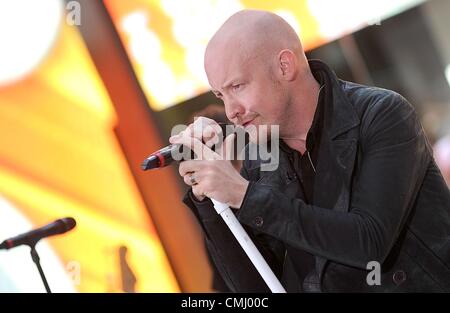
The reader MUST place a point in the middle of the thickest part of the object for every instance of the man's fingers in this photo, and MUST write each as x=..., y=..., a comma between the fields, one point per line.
x=201, y=150
x=226, y=150
x=186, y=179
x=182, y=133
x=204, y=129
x=188, y=167
x=191, y=179
x=212, y=135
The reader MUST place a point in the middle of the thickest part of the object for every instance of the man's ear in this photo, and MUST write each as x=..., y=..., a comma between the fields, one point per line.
x=287, y=65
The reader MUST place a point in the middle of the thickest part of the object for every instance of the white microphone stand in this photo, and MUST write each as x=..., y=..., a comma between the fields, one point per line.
x=249, y=247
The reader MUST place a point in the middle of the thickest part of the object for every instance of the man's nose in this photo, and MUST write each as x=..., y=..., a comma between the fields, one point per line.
x=233, y=109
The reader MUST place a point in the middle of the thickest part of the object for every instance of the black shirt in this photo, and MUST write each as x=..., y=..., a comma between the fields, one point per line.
x=304, y=166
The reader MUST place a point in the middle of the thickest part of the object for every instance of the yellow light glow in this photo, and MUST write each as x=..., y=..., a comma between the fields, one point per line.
x=25, y=36
x=94, y=235
x=59, y=156
x=165, y=40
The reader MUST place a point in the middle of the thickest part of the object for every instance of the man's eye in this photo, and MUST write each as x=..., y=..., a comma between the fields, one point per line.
x=236, y=87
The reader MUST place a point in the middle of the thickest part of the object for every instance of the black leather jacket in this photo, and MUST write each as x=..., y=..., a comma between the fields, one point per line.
x=378, y=196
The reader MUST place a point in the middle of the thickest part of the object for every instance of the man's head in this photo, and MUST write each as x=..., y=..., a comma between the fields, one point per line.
x=256, y=64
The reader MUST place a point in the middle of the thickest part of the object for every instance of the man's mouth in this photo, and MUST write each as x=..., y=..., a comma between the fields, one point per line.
x=247, y=123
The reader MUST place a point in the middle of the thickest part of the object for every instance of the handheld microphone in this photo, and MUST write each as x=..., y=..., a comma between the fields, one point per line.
x=164, y=156
x=32, y=237
x=161, y=158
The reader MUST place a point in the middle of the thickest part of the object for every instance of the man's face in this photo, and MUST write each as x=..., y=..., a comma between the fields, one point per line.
x=249, y=90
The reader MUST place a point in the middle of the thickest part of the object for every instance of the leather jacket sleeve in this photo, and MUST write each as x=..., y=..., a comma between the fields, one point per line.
x=393, y=162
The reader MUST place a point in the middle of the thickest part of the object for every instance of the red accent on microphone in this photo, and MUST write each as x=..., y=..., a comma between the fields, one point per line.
x=9, y=243
x=161, y=159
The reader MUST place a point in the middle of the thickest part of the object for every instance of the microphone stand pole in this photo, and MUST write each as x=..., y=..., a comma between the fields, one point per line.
x=249, y=247
x=36, y=260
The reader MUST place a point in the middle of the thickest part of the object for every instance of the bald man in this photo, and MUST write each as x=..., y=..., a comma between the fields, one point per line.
x=356, y=203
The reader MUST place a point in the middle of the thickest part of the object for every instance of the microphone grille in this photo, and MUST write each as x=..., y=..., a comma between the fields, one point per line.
x=69, y=223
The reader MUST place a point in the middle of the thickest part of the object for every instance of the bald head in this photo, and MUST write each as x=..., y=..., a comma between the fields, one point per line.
x=254, y=34
x=256, y=64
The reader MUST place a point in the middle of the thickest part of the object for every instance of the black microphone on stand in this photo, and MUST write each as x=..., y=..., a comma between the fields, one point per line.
x=32, y=237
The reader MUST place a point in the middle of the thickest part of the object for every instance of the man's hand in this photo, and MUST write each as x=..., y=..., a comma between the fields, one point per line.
x=211, y=175
x=204, y=129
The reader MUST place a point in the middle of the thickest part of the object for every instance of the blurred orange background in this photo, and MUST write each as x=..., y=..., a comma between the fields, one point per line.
x=76, y=123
